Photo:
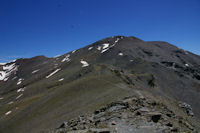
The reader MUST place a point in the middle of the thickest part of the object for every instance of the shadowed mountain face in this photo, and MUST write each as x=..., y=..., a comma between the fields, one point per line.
x=40, y=93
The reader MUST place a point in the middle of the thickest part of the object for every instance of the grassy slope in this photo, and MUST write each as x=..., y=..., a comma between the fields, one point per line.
x=53, y=106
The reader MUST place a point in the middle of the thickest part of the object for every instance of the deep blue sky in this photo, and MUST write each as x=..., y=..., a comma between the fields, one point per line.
x=51, y=27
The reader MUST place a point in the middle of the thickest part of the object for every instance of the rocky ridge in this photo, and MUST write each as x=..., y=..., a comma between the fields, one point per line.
x=130, y=115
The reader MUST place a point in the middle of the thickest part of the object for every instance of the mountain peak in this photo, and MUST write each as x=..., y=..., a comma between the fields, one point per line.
x=52, y=90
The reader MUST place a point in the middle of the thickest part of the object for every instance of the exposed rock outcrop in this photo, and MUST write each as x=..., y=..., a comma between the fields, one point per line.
x=131, y=115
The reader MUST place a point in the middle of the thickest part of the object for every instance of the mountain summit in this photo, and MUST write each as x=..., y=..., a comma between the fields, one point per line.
x=40, y=93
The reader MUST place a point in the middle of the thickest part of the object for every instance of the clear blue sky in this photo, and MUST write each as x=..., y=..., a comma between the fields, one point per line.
x=51, y=27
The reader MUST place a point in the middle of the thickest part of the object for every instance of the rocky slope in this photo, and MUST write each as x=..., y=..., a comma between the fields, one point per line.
x=40, y=93
x=131, y=115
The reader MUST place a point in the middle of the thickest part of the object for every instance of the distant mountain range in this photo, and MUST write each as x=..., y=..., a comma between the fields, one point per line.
x=123, y=77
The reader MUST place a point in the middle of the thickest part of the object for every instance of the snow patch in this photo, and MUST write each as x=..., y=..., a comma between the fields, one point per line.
x=7, y=71
x=61, y=79
x=9, y=112
x=8, y=67
x=35, y=71
x=19, y=81
x=90, y=48
x=187, y=65
x=2, y=75
x=14, y=78
x=53, y=73
x=19, y=96
x=84, y=63
x=73, y=51
x=116, y=41
x=104, y=50
x=8, y=62
x=21, y=90
x=185, y=52
x=11, y=102
x=6, y=79
x=120, y=54
x=106, y=45
x=99, y=48
x=66, y=58
x=12, y=61
x=1, y=98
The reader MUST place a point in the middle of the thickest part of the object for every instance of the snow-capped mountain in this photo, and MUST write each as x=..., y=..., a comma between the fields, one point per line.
x=40, y=93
